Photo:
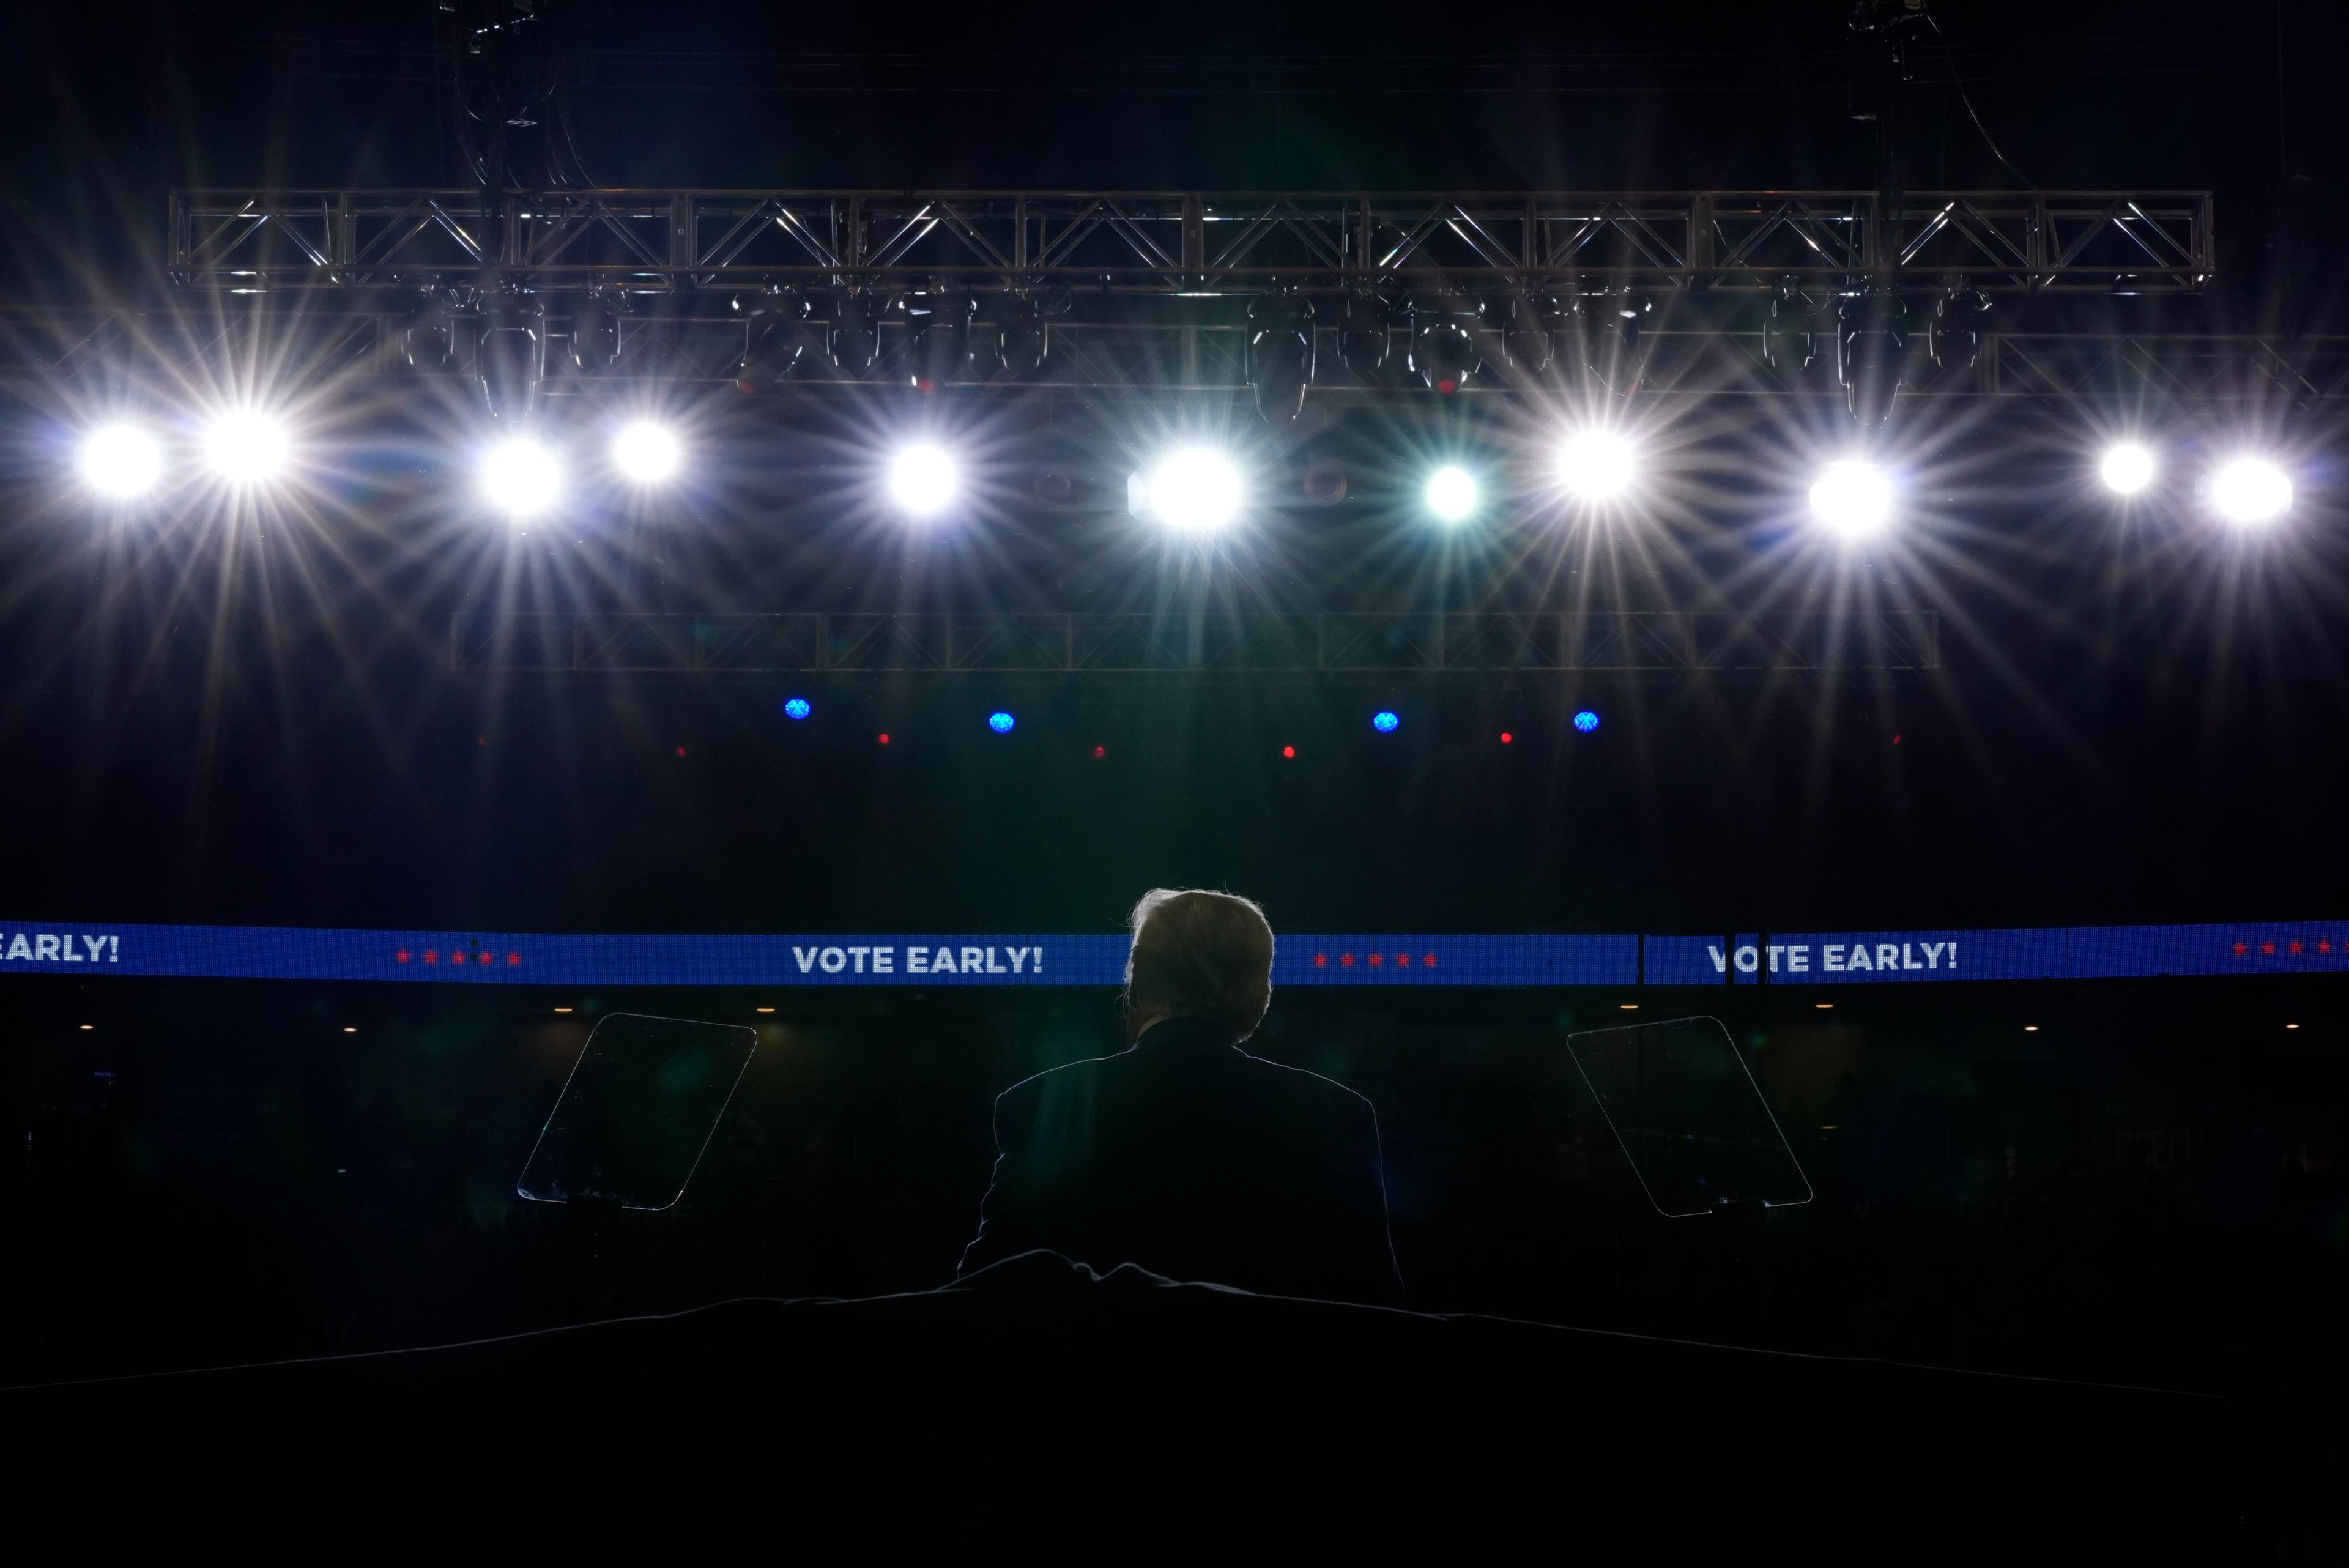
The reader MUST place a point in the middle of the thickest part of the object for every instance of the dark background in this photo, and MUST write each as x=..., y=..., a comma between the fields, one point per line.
x=245, y=718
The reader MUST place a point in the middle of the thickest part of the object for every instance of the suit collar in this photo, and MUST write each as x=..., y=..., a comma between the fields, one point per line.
x=1183, y=1032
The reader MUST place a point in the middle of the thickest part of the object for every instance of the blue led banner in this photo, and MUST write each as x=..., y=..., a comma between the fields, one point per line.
x=2044, y=952
x=1801, y=959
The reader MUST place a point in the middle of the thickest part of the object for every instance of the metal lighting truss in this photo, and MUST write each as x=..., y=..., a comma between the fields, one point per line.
x=1631, y=643
x=1694, y=293
x=1183, y=243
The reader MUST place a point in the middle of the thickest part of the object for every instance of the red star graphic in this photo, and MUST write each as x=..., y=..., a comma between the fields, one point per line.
x=431, y=956
x=1427, y=959
x=456, y=958
x=1403, y=959
x=514, y=961
x=1377, y=958
x=401, y=955
x=1320, y=961
x=2241, y=949
x=2324, y=946
x=2267, y=948
x=2296, y=945
x=1345, y=960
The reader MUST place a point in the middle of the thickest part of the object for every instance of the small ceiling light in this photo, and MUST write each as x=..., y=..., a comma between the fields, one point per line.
x=1002, y=723
x=1451, y=494
x=1386, y=720
x=350, y=1029
x=796, y=709
x=2031, y=1029
x=2251, y=490
x=246, y=447
x=1823, y=1006
x=766, y=1010
x=1628, y=1006
x=119, y=462
x=521, y=478
x=1194, y=490
x=89, y=1026
x=648, y=452
x=923, y=481
x=1596, y=464
x=1853, y=498
x=563, y=1009
x=2127, y=469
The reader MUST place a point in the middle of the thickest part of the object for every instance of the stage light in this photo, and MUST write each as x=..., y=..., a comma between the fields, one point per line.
x=2251, y=490
x=246, y=447
x=1451, y=494
x=2127, y=469
x=1386, y=721
x=1002, y=723
x=1586, y=721
x=1194, y=490
x=1281, y=355
x=1442, y=353
x=647, y=453
x=923, y=481
x=1852, y=498
x=1598, y=464
x=119, y=462
x=1507, y=738
x=796, y=709
x=521, y=478
x=1288, y=752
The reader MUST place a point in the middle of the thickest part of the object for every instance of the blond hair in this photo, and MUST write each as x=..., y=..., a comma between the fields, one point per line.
x=1200, y=954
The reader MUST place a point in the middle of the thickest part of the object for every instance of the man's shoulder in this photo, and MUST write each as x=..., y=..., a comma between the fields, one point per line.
x=1067, y=1075
x=1307, y=1086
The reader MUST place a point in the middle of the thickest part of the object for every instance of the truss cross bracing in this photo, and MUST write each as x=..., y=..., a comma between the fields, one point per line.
x=1173, y=243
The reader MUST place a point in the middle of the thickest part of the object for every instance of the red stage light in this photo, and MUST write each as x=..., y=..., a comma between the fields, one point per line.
x=884, y=740
x=680, y=750
x=1288, y=751
x=1099, y=751
x=1507, y=738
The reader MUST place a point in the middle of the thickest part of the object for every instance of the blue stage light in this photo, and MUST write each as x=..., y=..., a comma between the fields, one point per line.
x=1001, y=723
x=797, y=708
x=1586, y=721
x=1386, y=721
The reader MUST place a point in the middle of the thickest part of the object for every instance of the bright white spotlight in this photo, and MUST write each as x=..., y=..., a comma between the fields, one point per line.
x=2127, y=469
x=923, y=481
x=1853, y=498
x=647, y=453
x=1596, y=464
x=521, y=478
x=1194, y=490
x=2251, y=490
x=246, y=447
x=1451, y=494
x=119, y=462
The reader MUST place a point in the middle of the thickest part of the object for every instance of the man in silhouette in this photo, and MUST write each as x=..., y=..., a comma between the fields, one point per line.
x=1184, y=1154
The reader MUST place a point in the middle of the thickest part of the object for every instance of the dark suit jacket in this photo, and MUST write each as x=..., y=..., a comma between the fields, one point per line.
x=1198, y=1161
